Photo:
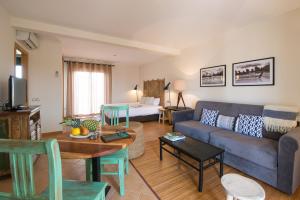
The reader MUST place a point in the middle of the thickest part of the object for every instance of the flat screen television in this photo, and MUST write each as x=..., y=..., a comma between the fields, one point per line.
x=17, y=92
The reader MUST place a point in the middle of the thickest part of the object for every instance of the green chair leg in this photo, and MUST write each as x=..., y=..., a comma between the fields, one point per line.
x=127, y=163
x=121, y=176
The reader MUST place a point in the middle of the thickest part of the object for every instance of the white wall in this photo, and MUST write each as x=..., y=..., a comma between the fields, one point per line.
x=124, y=78
x=278, y=37
x=44, y=84
x=7, y=41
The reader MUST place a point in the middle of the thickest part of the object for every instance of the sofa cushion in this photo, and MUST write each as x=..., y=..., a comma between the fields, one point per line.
x=209, y=117
x=261, y=151
x=225, y=122
x=249, y=125
x=195, y=129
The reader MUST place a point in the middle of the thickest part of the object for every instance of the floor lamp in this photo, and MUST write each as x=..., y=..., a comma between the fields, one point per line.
x=167, y=87
x=136, y=92
x=180, y=86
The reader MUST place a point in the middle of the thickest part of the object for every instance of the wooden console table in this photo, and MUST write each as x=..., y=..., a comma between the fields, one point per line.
x=21, y=124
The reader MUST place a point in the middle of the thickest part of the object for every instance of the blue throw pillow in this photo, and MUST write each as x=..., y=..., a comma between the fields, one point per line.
x=209, y=117
x=250, y=125
x=225, y=122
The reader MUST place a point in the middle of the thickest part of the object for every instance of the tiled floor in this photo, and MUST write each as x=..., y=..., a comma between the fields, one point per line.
x=135, y=187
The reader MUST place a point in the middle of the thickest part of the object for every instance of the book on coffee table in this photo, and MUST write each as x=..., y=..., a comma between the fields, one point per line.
x=174, y=136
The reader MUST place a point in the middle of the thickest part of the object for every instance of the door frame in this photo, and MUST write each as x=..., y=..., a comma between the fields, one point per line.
x=24, y=62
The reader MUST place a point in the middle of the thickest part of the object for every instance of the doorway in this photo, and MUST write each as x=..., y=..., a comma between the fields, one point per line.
x=21, y=65
x=21, y=62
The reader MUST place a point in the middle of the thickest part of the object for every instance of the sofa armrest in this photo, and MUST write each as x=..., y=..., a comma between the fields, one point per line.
x=288, y=178
x=184, y=115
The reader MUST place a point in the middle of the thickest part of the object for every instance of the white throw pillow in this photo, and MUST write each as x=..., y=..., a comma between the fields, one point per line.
x=156, y=101
x=143, y=100
x=149, y=100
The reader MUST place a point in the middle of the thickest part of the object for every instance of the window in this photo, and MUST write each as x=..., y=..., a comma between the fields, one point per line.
x=19, y=71
x=88, y=92
x=21, y=62
x=18, y=67
x=86, y=87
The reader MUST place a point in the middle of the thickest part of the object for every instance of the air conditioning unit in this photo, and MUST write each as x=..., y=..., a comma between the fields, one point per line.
x=28, y=39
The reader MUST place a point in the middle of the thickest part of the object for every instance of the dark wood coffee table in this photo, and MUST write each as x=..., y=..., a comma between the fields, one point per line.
x=197, y=150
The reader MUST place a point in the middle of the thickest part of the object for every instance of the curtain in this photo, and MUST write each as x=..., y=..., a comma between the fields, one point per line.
x=88, y=86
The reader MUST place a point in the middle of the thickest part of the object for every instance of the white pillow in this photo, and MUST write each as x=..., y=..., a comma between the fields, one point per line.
x=149, y=100
x=143, y=100
x=156, y=101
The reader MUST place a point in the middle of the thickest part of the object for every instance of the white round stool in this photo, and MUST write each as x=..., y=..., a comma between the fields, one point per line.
x=242, y=188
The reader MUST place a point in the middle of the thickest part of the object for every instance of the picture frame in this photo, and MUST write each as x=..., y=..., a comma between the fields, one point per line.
x=259, y=72
x=213, y=76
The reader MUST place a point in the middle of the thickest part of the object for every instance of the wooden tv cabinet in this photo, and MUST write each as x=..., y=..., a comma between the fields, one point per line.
x=21, y=124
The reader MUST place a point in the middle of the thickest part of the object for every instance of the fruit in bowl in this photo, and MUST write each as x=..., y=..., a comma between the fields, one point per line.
x=84, y=131
x=90, y=124
x=75, y=131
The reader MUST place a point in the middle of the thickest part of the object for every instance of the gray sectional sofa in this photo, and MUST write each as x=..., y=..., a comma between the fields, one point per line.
x=274, y=161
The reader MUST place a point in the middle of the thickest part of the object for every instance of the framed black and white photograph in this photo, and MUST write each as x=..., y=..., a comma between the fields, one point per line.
x=254, y=72
x=213, y=76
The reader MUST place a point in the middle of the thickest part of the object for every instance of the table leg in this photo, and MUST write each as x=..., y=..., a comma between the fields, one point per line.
x=160, y=150
x=96, y=169
x=221, y=164
x=200, y=186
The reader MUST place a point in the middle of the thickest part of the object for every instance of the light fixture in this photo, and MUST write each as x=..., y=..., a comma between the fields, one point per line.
x=136, y=91
x=180, y=86
x=167, y=87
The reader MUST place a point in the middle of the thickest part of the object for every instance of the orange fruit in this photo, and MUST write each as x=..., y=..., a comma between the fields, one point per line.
x=84, y=131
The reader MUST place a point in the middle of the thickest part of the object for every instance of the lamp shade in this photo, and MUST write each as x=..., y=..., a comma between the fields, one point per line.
x=179, y=85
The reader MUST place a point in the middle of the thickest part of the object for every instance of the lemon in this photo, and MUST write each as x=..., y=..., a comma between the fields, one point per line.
x=75, y=131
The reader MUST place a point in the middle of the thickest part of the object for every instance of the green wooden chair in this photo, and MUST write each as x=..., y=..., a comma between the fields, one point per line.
x=113, y=112
x=119, y=158
x=21, y=164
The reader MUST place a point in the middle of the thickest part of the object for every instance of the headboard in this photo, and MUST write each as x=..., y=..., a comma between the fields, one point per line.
x=155, y=88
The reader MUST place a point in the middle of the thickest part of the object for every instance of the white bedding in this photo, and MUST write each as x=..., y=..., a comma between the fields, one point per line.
x=136, y=109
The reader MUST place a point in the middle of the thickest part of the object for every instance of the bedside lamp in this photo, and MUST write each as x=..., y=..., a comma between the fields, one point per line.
x=180, y=86
x=136, y=91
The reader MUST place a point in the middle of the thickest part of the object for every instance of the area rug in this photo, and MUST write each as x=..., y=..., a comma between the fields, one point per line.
x=170, y=179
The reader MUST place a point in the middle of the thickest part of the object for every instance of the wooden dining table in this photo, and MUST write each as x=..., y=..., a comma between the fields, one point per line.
x=74, y=148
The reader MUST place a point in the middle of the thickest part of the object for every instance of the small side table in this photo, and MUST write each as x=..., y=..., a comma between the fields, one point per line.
x=238, y=187
x=171, y=109
x=162, y=115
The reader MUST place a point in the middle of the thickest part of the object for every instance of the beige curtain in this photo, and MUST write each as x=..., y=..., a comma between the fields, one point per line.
x=73, y=67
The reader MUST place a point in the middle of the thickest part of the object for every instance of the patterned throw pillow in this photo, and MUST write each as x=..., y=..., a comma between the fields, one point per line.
x=209, y=117
x=225, y=122
x=250, y=125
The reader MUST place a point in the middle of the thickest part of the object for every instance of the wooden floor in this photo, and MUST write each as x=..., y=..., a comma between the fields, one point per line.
x=169, y=179
x=173, y=180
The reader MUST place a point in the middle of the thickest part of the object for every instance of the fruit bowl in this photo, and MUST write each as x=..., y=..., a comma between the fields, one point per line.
x=81, y=136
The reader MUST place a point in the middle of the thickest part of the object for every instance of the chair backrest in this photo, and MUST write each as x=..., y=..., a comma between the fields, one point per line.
x=113, y=112
x=21, y=165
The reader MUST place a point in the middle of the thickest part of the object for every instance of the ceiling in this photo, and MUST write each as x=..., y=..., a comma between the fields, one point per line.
x=105, y=52
x=170, y=23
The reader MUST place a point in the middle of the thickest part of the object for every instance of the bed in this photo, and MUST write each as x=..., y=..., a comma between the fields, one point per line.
x=148, y=107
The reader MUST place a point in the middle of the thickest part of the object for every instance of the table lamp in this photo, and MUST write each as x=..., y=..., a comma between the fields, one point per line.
x=180, y=86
